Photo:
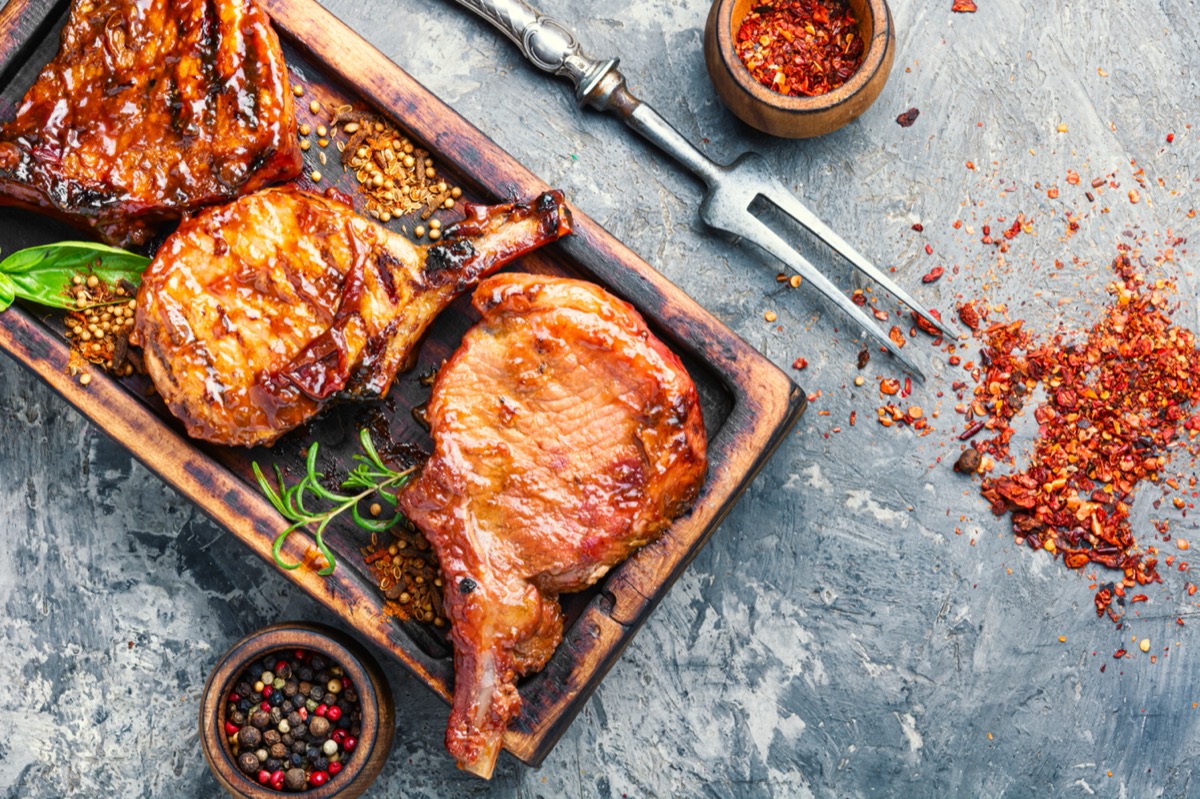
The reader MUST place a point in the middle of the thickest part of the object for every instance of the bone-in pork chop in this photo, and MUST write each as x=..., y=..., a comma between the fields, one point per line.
x=255, y=315
x=151, y=110
x=565, y=437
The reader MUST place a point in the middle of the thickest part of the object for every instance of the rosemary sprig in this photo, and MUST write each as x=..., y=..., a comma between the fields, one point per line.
x=369, y=474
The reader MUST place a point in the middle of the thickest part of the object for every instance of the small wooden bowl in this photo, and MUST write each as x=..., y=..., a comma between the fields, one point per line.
x=375, y=697
x=797, y=117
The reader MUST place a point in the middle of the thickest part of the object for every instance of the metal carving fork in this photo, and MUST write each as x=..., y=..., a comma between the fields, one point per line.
x=731, y=189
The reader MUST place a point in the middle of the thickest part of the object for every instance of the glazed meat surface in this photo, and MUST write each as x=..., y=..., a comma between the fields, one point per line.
x=151, y=109
x=565, y=437
x=255, y=315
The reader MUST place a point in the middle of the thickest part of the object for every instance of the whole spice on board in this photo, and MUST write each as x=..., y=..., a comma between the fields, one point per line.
x=292, y=720
x=1116, y=402
x=407, y=572
x=96, y=285
x=800, y=47
x=396, y=175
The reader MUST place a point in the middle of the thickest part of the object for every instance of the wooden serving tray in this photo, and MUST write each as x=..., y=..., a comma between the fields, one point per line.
x=748, y=404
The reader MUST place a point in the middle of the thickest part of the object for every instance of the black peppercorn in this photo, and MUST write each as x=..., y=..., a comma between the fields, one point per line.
x=318, y=727
x=249, y=737
x=248, y=762
x=272, y=764
x=260, y=718
x=294, y=779
x=271, y=737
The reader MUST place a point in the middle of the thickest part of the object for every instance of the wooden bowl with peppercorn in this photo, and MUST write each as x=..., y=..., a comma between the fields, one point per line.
x=296, y=708
x=799, y=68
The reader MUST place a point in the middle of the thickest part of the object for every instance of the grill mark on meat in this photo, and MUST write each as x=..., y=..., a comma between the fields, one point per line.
x=326, y=305
x=150, y=111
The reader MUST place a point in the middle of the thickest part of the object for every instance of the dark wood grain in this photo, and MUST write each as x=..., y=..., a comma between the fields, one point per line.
x=749, y=405
x=23, y=23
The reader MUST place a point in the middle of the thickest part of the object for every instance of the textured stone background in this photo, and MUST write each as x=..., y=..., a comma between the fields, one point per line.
x=836, y=638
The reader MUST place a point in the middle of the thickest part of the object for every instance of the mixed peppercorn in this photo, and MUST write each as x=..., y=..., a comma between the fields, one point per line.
x=800, y=47
x=292, y=720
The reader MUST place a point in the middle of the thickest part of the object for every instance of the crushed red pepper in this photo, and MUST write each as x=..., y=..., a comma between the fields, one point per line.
x=1115, y=402
x=800, y=47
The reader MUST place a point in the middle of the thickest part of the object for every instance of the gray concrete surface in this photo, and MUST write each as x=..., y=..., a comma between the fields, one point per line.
x=860, y=626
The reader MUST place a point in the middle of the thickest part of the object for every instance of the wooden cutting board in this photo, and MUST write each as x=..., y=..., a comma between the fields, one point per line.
x=749, y=405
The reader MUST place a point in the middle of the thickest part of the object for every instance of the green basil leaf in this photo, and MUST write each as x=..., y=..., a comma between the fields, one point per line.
x=43, y=274
x=8, y=292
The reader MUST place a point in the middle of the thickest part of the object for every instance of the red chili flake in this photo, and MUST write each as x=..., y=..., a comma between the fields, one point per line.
x=1072, y=177
x=800, y=47
x=925, y=325
x=929, y=249
x=858, y=298
x=1120, y=653
x=799, y=364
x=964, y=6
x=933, y=275
x=971, y=165
x=880, y=314
x=1170, y=137
x=969, y=316
x=864, y=358
x=897, y=336
x=889, y=386
x=1052, y=192
x=906, y=119
x=917, y=226
x=1117, y=400
x=853, y=417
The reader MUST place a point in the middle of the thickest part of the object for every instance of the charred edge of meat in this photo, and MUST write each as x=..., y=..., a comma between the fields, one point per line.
x=448, y=260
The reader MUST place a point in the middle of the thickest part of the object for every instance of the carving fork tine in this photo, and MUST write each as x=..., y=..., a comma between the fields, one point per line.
x=731, y=189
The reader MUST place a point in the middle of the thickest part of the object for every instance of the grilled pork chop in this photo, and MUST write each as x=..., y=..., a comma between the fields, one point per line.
x=565, y=437
x=255, y=315
x=150, y=110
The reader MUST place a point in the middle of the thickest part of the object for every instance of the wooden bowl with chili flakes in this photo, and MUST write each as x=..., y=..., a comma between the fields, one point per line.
x=810, y=50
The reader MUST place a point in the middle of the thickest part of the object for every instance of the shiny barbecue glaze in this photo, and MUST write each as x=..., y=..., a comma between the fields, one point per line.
x=254, y=315
x=151, y=109
x=565, y=437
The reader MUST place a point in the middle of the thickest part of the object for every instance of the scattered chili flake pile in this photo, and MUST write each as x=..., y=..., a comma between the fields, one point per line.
x=800, y=47
x=1115, y=403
